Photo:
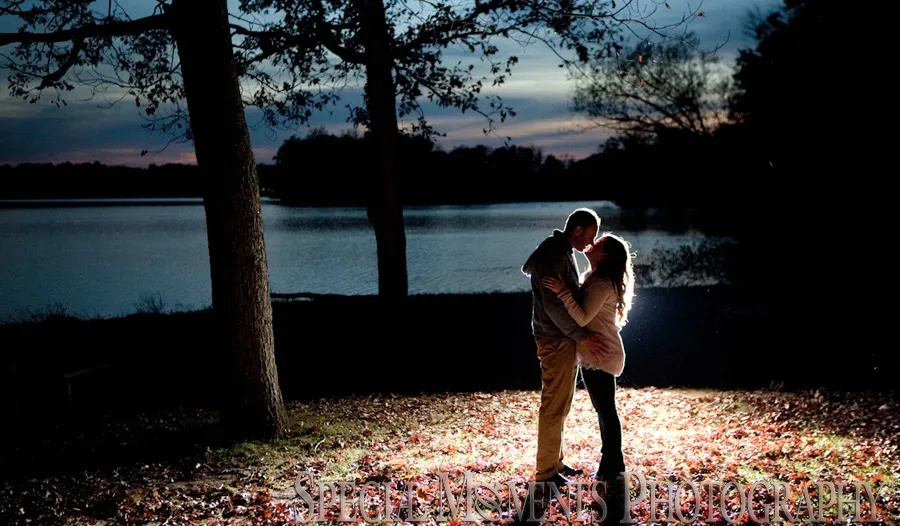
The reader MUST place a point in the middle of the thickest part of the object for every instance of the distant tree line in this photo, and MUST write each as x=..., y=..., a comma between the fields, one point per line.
x=96, y=180
x=328, y=170
x=464, y=175
x=319, y=169
x=688, y=173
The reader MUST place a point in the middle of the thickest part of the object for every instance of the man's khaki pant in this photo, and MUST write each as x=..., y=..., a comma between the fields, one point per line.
x=557, y=357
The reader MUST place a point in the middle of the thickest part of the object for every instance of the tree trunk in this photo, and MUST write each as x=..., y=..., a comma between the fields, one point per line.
x=242, y=305
x=385, y=209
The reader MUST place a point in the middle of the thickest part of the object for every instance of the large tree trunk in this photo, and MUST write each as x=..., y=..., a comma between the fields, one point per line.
x=242, y=305
x=385, y=209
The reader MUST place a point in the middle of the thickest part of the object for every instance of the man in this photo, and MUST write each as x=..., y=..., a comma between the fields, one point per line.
x=556, y=334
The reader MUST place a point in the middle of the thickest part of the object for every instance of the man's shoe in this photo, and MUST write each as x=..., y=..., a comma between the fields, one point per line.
x=558, y=479
x=569, y=471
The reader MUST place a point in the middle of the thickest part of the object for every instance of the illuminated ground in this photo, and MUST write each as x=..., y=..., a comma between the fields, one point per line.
x=679, y=435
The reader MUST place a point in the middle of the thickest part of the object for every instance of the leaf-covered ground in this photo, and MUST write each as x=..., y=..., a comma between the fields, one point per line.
x=669, y=435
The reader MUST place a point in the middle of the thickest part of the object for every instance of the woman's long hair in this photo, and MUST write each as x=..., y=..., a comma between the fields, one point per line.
x=618, y=268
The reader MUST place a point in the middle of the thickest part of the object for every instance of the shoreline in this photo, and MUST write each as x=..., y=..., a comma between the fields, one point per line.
x=330, y=345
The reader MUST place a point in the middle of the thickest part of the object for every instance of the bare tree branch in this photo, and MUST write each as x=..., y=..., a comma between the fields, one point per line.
x=57, y=75
x=654, y=89
x=111, y=29
x=275, y=42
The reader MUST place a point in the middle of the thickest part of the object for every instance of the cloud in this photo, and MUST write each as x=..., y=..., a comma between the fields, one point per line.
x=538, y=90
x=562, y=136
x=76, y=133
x=525, y=129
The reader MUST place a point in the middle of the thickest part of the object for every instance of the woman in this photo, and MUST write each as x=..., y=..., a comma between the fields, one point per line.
x=607, y=289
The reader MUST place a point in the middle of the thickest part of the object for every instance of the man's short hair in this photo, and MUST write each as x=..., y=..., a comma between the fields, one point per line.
x=583, y=217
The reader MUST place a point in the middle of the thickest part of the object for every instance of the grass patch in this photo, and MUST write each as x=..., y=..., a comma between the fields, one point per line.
x=750, y=474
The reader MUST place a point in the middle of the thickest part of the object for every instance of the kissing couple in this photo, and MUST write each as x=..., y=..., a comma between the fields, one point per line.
x=576, y=321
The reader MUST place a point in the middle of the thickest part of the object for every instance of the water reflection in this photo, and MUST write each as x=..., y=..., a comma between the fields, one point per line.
x=103, y=260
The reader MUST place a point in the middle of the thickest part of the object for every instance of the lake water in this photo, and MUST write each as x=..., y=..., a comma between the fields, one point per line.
x=102, y=260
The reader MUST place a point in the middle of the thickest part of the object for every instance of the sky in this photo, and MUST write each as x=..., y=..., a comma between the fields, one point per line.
x=538, y=90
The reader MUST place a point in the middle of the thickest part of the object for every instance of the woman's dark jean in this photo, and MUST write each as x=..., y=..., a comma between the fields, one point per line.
x=601, y=386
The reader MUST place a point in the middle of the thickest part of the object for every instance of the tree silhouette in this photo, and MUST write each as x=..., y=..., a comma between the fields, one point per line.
x=181, y=53
x=464, y=175
x=656, y=89
x=315, y=48
x=786, y=87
